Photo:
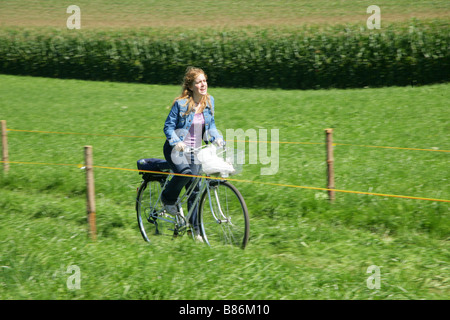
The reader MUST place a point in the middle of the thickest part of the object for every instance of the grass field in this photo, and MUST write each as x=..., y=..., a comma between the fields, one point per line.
x=301, y=247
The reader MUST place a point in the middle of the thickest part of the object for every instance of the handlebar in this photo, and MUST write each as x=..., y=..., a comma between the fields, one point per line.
x=189, y=149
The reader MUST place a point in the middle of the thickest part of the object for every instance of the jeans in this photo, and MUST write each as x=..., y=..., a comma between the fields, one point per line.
x=184, y=164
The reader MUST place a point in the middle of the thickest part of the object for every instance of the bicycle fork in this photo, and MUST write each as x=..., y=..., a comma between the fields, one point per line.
x=223, y=219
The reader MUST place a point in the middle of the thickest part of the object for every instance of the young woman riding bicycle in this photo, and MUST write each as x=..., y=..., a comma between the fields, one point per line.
x=191, y=120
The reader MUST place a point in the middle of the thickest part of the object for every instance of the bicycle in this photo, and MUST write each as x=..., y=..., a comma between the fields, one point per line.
x=222, y=212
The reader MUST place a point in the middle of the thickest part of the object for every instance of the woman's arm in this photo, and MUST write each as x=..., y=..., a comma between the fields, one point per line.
x=213, y=132
x=171, y=123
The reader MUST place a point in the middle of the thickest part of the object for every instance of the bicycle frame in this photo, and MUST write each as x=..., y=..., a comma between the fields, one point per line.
x=181, y=221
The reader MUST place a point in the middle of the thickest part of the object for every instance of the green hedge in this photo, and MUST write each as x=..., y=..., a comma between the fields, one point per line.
x=337, y=57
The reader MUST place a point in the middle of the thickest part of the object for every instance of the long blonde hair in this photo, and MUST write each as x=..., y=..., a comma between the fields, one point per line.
x=186, y=93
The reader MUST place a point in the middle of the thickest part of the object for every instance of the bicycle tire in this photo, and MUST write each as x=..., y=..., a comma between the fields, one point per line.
x=229, y=225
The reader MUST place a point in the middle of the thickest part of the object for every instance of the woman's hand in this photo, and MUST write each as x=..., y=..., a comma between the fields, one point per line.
x=219, y=142
x=180, y=146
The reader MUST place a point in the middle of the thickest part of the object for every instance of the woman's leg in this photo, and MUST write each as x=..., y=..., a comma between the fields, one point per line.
x=176, y=184
x=178, y=164
x=195, y=169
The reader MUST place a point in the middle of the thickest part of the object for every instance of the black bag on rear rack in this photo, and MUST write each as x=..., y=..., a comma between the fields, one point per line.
x=155, y=165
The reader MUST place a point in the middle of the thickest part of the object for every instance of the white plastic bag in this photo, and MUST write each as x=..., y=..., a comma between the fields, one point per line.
x=212, y=163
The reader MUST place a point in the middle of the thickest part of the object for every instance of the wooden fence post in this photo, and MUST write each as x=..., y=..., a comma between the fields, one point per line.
x=90, y=192
x=330, y=163
x=5, y=156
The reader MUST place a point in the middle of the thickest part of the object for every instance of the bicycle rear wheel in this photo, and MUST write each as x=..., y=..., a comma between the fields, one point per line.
x=223, y=215
x=152, y=219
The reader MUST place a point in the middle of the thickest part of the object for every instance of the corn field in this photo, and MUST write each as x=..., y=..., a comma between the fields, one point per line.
x=335, y=57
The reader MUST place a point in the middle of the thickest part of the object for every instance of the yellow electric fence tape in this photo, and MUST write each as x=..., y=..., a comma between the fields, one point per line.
x=239, y=180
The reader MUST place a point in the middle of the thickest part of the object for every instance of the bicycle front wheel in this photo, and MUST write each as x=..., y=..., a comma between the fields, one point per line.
x=223, y=215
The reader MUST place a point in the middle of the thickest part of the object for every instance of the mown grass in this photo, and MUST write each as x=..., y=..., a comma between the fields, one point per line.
x=301, y=246
x=207, y=13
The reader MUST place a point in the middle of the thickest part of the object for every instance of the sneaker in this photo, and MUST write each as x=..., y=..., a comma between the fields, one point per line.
x=171, y=209
x=198, y=238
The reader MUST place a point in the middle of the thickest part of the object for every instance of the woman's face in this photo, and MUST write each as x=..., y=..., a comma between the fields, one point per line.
x=200, y=86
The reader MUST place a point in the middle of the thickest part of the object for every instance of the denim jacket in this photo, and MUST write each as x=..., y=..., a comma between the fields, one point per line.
x=177, y=124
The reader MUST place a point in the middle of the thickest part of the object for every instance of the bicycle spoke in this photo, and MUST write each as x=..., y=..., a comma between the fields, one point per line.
x=152, y=219
x=224, y=216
